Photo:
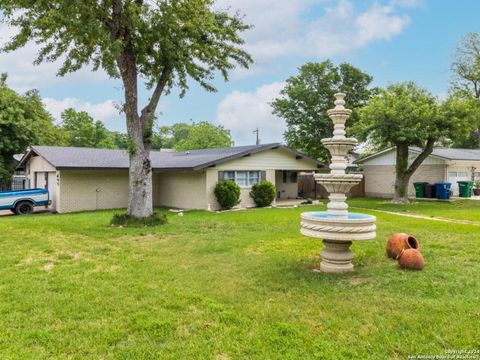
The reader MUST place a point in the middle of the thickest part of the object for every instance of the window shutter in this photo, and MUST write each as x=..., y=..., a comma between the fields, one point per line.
x=220, y=175
x=263, y=175
x=294, y=176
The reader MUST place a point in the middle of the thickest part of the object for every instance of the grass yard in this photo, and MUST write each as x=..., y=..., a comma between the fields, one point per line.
x=234, y=285
x=459, y=209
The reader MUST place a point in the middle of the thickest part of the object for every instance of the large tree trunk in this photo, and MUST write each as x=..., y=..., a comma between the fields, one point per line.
x=140, y=199
x=401, y=176
x=403, y=172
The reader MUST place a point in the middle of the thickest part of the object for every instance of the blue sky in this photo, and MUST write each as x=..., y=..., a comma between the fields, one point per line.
x=393, y=40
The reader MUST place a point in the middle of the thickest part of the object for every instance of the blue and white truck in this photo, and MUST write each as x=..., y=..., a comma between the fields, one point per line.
x=22, y=202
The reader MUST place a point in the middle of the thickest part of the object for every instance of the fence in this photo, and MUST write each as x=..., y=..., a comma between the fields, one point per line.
x=13, y=184
x=308, y=188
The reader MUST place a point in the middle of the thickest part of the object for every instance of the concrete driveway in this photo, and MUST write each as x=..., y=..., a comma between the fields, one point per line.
x=35, y=211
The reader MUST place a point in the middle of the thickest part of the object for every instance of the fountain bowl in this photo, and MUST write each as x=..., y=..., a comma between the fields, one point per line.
x=354, y=226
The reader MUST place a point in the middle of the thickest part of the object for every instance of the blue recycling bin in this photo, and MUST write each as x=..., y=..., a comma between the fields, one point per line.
x=443, y=190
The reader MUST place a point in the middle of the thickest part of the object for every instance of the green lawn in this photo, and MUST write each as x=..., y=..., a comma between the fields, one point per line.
x=459, y=209
x=234, y=285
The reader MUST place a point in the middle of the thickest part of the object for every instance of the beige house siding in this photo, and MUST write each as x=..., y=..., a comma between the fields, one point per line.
x=35, y=165
x=380, y=179
x=279, y=159
x=38, y=163
x=185, y=190
x=268, y=161
x=287, y=190
x=82, y=190
x=39, y=166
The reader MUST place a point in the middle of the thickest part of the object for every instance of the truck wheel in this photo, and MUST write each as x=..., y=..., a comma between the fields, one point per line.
x=23, y=208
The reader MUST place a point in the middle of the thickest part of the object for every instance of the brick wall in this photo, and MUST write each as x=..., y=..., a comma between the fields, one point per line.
x=380, y=179
x=82, y=190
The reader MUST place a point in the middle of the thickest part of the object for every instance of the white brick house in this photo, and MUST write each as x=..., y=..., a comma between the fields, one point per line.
x=444, y=164
x=82, y=179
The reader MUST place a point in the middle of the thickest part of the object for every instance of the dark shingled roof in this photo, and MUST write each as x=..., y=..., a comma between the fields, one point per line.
x=88, y=158
x=441, y=152
x=454, y=153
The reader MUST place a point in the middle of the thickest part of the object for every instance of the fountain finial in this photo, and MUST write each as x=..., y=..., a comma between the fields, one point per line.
x=340, y=102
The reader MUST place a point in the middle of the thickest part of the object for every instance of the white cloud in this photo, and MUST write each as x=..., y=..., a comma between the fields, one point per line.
x=302, y=28
x=107, y=112
x=243, y=112
x=379, y=22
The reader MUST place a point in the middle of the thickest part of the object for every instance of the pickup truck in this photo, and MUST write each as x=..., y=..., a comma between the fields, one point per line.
x=22, y=202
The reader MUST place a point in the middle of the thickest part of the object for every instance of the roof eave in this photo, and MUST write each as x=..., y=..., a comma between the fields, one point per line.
x=254, y=151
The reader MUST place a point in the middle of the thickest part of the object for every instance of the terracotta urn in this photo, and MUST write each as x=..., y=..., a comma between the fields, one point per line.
x=398, y=242
x=411, y=259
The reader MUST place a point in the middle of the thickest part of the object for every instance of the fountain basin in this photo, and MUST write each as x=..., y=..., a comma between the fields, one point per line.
x=325, y=226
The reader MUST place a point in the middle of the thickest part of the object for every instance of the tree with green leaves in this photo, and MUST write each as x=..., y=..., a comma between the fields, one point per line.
x=120, y=139
x=81, y=130
x=201, y=135
x=466, y=65
x=162, y=42
x=170, y=136
x=306, y=97
x=404, y=115
x=466, y=69
x=23, y=122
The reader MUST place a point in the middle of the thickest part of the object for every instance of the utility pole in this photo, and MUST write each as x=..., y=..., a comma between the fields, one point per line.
x=258, y=139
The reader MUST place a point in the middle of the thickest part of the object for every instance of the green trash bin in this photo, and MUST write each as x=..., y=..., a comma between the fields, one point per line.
x=419, y=189
x=465, y=188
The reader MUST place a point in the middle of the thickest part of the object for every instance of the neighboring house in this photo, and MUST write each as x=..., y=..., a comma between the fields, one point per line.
x=88, y=179
x=444, y=164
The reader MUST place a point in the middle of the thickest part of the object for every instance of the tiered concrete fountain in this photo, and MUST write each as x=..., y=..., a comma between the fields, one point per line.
x=336, y=226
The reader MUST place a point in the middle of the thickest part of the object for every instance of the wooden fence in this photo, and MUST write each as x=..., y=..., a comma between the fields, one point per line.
x=308, y=188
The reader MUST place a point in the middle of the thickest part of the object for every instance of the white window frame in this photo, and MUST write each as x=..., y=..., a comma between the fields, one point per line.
x=246, y=181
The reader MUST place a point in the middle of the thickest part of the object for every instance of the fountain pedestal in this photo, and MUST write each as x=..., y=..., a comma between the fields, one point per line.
x=336, y=256
x=336, y=226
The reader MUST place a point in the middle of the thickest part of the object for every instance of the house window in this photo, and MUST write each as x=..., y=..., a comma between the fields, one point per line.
x=290, y=177
x=243, y=178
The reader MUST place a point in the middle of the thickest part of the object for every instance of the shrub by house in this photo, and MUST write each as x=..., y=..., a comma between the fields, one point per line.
x=227, y=193
x=263, y=193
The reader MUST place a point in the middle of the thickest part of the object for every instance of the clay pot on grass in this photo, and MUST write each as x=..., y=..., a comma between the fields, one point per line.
x=411, y=259
x=399, y=242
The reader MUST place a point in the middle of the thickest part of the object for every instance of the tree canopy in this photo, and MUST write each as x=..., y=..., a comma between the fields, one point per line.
x=306, y=97
x=466, y=69
x=81, y=130
x=200, y=135
x=404, y=115
x=466, y=65
x=163, y=43
x=23, y=122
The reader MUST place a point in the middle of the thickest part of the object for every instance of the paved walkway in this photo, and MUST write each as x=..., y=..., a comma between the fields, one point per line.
x=423, y=217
